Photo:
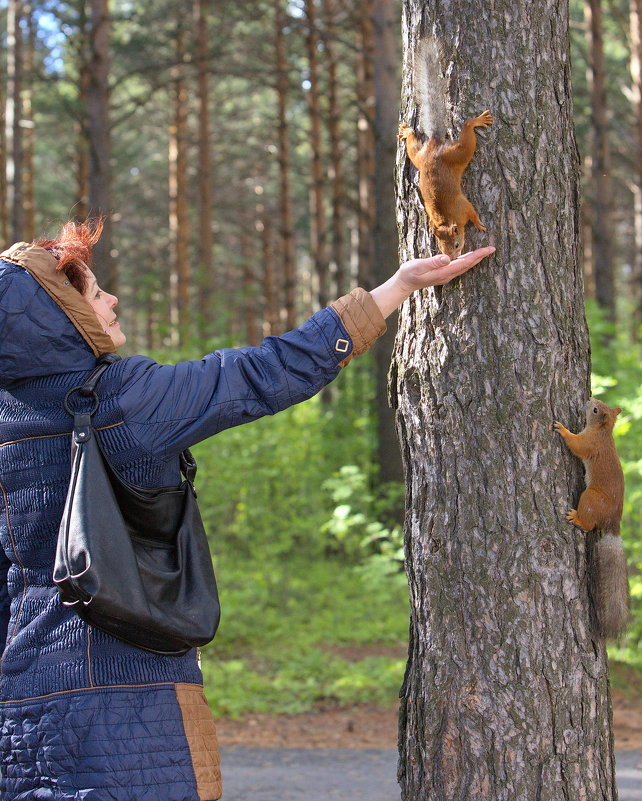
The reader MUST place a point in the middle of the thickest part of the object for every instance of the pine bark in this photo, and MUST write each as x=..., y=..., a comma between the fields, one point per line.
x=506, y=692
x=99, y=131
x=602, y=246
x=286, y=224
x=318, y=234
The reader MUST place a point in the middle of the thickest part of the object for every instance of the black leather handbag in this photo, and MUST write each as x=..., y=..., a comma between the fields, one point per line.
x=133, y=561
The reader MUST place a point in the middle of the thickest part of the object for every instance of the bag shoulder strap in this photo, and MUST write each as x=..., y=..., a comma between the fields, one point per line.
x=82, y=421
x=89, y=387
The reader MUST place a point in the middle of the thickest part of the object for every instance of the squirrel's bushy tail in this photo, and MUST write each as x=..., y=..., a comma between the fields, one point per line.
x=430, y=88
x=611, y=585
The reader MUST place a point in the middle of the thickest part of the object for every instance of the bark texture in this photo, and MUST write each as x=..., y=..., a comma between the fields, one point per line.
x=506, y=690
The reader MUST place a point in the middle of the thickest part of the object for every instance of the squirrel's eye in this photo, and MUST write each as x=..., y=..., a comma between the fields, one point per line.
x=595, y=410
x=456, y=244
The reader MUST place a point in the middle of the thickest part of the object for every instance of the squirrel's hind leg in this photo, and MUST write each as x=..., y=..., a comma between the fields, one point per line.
x=592, y=510
x=413, y=145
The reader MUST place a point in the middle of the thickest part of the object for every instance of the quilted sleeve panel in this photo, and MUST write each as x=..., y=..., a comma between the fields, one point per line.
x=169, y=408
x=5, y=564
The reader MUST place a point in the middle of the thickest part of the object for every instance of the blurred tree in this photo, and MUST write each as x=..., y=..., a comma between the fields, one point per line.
x=99, y=130
x=318, y=233
x=13, y=117
x=602, y=223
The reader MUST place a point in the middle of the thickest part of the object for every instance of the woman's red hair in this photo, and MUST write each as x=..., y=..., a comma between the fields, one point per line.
x=73, y=249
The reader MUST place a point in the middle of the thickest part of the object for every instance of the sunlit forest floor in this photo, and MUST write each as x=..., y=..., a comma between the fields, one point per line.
x=369, y=726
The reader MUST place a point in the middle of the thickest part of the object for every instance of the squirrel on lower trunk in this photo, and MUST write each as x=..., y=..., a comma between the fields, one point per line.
x=441, y=162
x=600, y=509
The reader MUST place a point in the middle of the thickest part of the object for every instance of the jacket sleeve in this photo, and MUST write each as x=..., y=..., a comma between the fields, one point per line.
x=169, y=408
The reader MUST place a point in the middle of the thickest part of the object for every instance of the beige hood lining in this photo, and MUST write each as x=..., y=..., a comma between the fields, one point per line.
x=41, y=265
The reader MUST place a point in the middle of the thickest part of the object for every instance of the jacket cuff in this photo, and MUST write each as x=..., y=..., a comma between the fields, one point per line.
x=361, y=318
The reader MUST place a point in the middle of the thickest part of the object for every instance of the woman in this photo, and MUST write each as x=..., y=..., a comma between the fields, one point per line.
x=84, y=715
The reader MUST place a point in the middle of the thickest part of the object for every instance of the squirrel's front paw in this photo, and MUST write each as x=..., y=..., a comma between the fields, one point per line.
x=484, y=119
x=571, y=516
x=479, y=225
x=558, y=427
x=404, y=131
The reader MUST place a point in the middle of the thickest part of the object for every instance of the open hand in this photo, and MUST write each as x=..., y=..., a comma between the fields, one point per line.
x=437, y=270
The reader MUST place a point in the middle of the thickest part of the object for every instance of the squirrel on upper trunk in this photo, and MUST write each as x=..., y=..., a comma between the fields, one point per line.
x=441, y=162
x=600, y=509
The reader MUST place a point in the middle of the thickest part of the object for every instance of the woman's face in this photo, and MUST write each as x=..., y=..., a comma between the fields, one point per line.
x=104, y=304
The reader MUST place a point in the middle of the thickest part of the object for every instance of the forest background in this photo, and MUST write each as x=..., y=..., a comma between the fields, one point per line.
x=246, y=154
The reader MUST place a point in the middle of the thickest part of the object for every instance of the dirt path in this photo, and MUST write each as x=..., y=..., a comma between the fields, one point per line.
x=373, y=727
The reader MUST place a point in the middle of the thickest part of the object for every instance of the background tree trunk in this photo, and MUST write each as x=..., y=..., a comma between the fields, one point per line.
x=13, y=116
x=318, y=244
x=336, y=148
x=27, y=123
x=81, y=207
x=366, y=144
x=635, y=7
x=601, y=167
x=4, y=211
x=99, y=130
x=178, y=202
x=386, y=83
x=206, y=278
x=285, y=200
x=506, y=690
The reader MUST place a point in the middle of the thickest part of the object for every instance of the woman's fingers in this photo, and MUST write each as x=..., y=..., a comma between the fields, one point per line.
x=462, y=264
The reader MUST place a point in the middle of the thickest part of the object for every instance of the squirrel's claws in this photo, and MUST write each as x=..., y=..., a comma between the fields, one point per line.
x=484, y=119
x=404, y=131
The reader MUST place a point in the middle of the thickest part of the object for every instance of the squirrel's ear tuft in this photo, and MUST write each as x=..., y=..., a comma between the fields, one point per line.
x=616, y=411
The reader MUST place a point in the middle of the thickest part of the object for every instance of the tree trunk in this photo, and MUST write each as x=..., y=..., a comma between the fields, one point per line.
x=178, y=204
x=13, y=116
x=386, y=82
x=29, y=129
x=366, y=145
x=636, y=98
x=206, y=277
x=601, y=164
x=318, y=243
x=336, y=148
x=285, y=200
x=98, y=127
x=506, y=692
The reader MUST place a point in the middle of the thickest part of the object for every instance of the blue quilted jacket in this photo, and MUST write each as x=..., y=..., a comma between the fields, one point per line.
x=83, y=715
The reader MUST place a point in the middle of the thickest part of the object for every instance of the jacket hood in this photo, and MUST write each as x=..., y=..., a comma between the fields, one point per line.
x=46, y=326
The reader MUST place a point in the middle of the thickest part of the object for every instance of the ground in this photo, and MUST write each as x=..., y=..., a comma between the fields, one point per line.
x=375, y=727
